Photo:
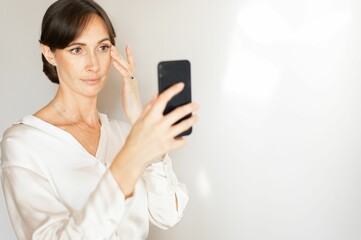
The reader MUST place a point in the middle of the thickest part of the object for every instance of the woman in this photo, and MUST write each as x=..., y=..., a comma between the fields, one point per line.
x=69, y=172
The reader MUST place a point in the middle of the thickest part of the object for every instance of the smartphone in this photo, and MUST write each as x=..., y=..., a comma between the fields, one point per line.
x=170, y=73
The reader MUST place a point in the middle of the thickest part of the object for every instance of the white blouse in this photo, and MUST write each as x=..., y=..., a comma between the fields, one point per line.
x=55, y=189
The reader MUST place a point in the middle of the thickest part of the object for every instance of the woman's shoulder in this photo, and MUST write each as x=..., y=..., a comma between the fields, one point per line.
x=18, y=130
x=17, y=141
x=28, y=133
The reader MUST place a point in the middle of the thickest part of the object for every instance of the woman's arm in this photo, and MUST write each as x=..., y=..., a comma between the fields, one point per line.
x=132, y=104
x=37, y=213
x=152, y=136
x=167, y=197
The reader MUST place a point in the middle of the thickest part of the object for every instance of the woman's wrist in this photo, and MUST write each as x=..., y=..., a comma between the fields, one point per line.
x=126, y=172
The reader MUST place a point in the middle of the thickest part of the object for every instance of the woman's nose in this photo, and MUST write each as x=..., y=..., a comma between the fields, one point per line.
x=92, y=63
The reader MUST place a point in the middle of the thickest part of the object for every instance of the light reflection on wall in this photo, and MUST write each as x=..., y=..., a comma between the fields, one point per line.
x=263, y=36
x=262, y=23
x=249, y=75
x=299, y=65
x=321, y=24
x=203, y=184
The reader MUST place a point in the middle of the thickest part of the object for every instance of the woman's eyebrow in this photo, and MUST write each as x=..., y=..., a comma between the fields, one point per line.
x=83, y=44
x=105, y=39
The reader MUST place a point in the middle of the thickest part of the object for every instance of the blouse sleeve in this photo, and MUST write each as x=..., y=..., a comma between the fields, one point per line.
x=36, y=213
x=167, y=197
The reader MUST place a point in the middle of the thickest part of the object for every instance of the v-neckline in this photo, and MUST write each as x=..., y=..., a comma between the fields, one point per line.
x=39, y=123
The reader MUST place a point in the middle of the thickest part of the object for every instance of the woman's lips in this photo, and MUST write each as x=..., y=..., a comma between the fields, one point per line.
x=91, y=81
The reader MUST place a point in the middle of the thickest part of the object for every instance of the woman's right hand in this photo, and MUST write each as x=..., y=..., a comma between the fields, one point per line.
x=152, y=136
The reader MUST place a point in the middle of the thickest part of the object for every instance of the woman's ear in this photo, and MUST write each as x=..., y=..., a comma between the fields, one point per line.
x=48, y=54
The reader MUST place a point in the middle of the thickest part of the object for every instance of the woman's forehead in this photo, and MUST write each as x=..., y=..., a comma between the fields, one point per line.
x=94, y=31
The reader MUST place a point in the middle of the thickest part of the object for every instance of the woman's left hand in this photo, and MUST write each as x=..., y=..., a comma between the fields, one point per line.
x=132, y=104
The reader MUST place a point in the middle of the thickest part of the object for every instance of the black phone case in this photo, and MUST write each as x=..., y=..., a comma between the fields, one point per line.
x=170, y=73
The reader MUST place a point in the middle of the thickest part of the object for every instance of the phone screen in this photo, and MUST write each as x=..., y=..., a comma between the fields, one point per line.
x=170, y=73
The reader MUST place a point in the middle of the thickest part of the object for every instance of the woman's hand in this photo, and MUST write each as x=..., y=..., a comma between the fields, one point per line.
x=152, y=136
x=132, y=104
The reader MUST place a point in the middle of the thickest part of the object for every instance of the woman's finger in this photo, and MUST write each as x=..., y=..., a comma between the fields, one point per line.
x=149, y=106
x=130, y=56
x=166, y=96
x=183, y=125
x=177, y=143
x=179, y=113
x=125, y=67
x=119, y=60
x=117, y=56
x=121, y=69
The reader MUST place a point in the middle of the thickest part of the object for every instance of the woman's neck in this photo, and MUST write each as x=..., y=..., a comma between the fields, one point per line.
x=77, y=109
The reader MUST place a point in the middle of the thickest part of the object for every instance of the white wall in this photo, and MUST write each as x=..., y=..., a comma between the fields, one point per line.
x=276, y=153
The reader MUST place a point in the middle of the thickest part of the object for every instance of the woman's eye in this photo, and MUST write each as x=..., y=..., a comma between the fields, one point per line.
x=104, y=48
x=76, y=50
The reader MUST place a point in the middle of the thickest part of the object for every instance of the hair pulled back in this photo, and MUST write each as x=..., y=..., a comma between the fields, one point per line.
x=63, y=22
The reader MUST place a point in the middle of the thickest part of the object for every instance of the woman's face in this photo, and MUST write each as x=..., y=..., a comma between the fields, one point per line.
x=83, y=66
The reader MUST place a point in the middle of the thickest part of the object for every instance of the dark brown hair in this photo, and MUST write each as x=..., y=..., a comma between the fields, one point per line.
x=63, y=22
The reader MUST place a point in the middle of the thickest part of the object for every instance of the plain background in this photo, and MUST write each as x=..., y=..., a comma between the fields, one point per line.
x=276, y=153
